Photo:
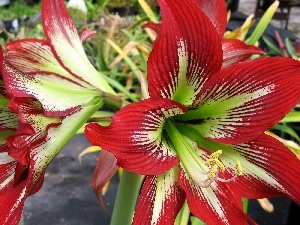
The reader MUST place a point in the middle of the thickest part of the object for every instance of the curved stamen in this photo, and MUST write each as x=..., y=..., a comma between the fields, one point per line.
x=239, y=171
x=215, y=167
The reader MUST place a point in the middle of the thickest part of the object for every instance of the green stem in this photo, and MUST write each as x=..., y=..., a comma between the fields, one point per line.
x=128, y=191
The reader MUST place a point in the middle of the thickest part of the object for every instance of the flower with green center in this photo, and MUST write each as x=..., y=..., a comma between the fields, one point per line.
x=53, y=90
x=200, y=135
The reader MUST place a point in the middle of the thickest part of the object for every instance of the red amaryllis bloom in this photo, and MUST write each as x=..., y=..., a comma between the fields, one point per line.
x=234, y=50
x=54, y=90
x=16, y=181
x=200, y=135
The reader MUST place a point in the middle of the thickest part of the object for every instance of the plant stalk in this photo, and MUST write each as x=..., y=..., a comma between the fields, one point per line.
x=129, y=188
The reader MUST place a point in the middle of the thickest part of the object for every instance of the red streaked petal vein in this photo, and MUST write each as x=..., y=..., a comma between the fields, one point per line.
x=36, y=57
x=8, y=119
x=13, y=195
x=216, y=11
x=55, y=94
x=160, y=200
x=11, y=209
x=269, y=168
x=235, y=51
x=218, y=204
x=245, y=99
x=32, y=128
x=138, y=142
x=61, y=33
x=187, y=51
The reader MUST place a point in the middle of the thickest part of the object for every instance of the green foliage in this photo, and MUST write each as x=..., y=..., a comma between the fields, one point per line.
x=18, y=10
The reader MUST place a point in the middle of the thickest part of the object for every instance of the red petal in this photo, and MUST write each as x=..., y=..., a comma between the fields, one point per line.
x=32, y=129
x=13, y=195
x=235, y=51
x=245, y=99
x=274, y=170
x=106, y=167
x=218, y=204
x=86, y=34
x=187, y=51
x=135, y=136
x=216, y=11
x=35, y=57
x=160, y=200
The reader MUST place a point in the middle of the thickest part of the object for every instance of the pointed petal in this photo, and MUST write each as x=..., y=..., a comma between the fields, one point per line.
x=216, y=11
x=35, y=57
x=235, y=51
x=11, y=209
x=42, y=87
x=86, y=34
x=219, y=203
x=138, y=143
x=269, y=168
x=106, y=167
x=242, y=101
x=184, y=54
x=61, y=34
x=154, y=26
x=160, y=200
x=13, y=196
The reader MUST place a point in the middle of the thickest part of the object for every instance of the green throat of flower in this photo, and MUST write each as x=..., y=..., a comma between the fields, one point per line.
x=204, y=169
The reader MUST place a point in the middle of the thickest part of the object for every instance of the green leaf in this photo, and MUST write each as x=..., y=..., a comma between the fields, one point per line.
x=148, y=11
x=272, y=46
x=291, y=117
x=196, y=221
x=183, y=215
x=262, y=24
x=288, y=130
x=290, y=48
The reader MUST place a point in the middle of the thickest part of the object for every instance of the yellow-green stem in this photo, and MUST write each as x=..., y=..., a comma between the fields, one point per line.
x=128, y=191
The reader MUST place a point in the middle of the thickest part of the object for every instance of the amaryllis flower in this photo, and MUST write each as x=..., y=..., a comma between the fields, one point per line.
x=54, y=90
x=234, y=50
x=200, y=135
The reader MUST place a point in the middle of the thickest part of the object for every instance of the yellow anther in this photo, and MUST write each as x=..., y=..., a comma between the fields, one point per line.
x=216, y=154
x=220, y=165
x=239, y=168
x=216, y=164
x=212, y=172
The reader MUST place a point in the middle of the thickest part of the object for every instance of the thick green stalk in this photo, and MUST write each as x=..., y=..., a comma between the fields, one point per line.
x=128, y=191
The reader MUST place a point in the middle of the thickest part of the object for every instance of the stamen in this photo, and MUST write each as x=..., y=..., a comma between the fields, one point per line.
x=215, y=167
x=239, y=168
x=239, y=171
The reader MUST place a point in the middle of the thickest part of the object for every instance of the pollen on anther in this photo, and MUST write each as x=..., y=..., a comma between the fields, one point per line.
x=239, y=168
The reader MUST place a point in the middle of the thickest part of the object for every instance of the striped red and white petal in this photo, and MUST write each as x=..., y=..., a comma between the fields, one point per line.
x=235, y=51
x=220, y=203
x=138, y=141
x=243, y=100
x=186, y=53
x=41, y=147
x=55, y=93
x=11, y=208
x=8, y=119
x=13, y=194
x=216, y=11
x=65, y=43
x=269, y=168
x=35, y=57
x=160, y=200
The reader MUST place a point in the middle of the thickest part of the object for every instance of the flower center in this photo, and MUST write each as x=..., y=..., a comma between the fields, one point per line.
x=203, y=169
